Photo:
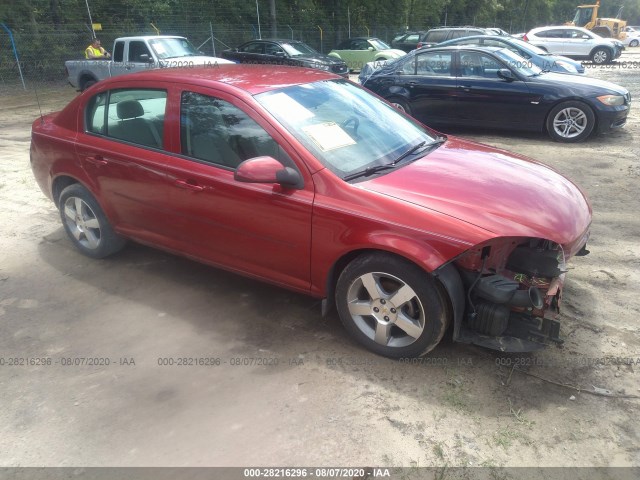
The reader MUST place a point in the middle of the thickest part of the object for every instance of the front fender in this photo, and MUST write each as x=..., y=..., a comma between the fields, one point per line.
x=328, y=264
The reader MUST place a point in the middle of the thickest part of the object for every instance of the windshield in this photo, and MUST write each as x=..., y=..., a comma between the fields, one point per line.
x=345, y=127
x=378, y=44
x=298, y=48
x=172, y=47
x=517, y=63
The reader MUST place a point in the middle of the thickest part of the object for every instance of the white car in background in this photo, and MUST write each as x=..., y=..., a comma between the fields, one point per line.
x=575, y=42
x=633, y=37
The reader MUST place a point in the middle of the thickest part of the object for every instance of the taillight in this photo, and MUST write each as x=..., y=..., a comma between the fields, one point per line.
x=524, y=37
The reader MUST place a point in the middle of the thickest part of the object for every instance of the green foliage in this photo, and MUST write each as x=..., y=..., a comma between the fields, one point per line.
x=47, y=32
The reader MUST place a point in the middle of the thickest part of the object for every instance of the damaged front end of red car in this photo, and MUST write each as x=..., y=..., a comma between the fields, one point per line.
x=506, y=293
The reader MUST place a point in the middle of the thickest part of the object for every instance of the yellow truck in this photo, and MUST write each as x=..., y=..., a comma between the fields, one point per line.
x=587, y=16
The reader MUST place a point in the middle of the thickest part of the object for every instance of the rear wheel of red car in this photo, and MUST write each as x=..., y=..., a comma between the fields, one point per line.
x=400, y=104
x=391, y=306
x=570, y=122
x=86, y=223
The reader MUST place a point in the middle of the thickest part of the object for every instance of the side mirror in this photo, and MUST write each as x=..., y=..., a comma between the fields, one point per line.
x=506, y=74
x=280, y=54
x=145, y=58
x=370, y=49
x=267, y=170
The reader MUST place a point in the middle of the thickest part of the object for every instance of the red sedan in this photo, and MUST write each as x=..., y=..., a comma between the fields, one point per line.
x=305, y=180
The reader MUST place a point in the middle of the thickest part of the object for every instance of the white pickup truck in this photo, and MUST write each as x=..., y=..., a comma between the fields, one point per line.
x=133, y=54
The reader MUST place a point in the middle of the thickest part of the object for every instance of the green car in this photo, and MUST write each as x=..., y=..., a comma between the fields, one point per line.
x=357, y=52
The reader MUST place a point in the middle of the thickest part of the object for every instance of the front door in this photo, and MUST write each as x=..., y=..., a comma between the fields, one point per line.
x=260, y=229
x=484, y=99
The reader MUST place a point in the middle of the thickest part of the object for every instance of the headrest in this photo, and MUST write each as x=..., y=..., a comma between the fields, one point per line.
x=129, y=109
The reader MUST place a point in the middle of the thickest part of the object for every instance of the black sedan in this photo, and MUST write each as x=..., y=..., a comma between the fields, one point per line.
x=285, y=52
x=494, y=87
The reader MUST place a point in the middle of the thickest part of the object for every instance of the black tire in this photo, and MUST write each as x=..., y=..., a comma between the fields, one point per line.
x=400, y=104
x=634, y=43
x=409, y=326
x=86, y=223
x=570, y=122
x=601, y=55
x=87, y=83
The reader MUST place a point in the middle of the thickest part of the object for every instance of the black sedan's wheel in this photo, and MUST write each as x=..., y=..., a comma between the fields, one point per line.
x=390, y=306
x=601, y=56
x=400, y=104
x=86, y=223
x=570, y=122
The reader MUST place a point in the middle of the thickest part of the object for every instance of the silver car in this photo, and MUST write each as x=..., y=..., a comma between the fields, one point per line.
x=575, y=42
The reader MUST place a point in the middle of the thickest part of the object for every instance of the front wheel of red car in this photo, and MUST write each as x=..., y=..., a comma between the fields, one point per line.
x=391, y=306
x=86, y=224
x=570, y=122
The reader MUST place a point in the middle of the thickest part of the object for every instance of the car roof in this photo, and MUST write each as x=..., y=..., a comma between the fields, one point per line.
x=458, y=47
x=253, y=79
x=275, y=40
x=475, y=48
x=149, y=37
x=559, y=27
x=459, y=28
x=478, y=37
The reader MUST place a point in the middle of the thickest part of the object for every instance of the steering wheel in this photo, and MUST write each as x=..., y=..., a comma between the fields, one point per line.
x=351, y=124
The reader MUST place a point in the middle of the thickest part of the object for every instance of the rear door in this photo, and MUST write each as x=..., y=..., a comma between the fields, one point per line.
x=122, y=148
x=252, y=52
x=431, y=84
x=553, y=40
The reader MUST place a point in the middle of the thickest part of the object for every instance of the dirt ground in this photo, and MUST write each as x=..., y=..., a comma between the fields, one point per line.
x=291, y=388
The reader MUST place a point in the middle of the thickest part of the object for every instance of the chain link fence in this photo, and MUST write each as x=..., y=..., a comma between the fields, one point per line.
x=43, y=49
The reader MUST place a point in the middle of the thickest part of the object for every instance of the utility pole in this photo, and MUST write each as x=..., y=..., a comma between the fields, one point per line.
x=258, y=14
x=274, y=25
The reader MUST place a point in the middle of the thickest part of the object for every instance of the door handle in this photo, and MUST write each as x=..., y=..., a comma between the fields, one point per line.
x=96, y=160
x=412, y=84
x=466, y=88
x=189, y=185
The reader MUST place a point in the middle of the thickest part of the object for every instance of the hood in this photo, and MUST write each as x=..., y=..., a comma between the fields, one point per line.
x=200, y=60
x=319, y=58
x=587, y=86
x=393, y=52
x=504, y=193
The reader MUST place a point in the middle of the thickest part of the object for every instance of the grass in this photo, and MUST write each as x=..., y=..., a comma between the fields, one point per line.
x=438, y=451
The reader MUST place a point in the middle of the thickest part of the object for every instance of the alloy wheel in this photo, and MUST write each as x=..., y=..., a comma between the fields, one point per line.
x=386, y=309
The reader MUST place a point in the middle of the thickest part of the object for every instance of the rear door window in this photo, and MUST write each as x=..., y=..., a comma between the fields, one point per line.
x=131, y=115
x=436, y=36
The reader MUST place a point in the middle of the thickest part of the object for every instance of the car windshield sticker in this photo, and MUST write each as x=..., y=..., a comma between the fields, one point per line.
x=283, y=103
x=328, y=136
